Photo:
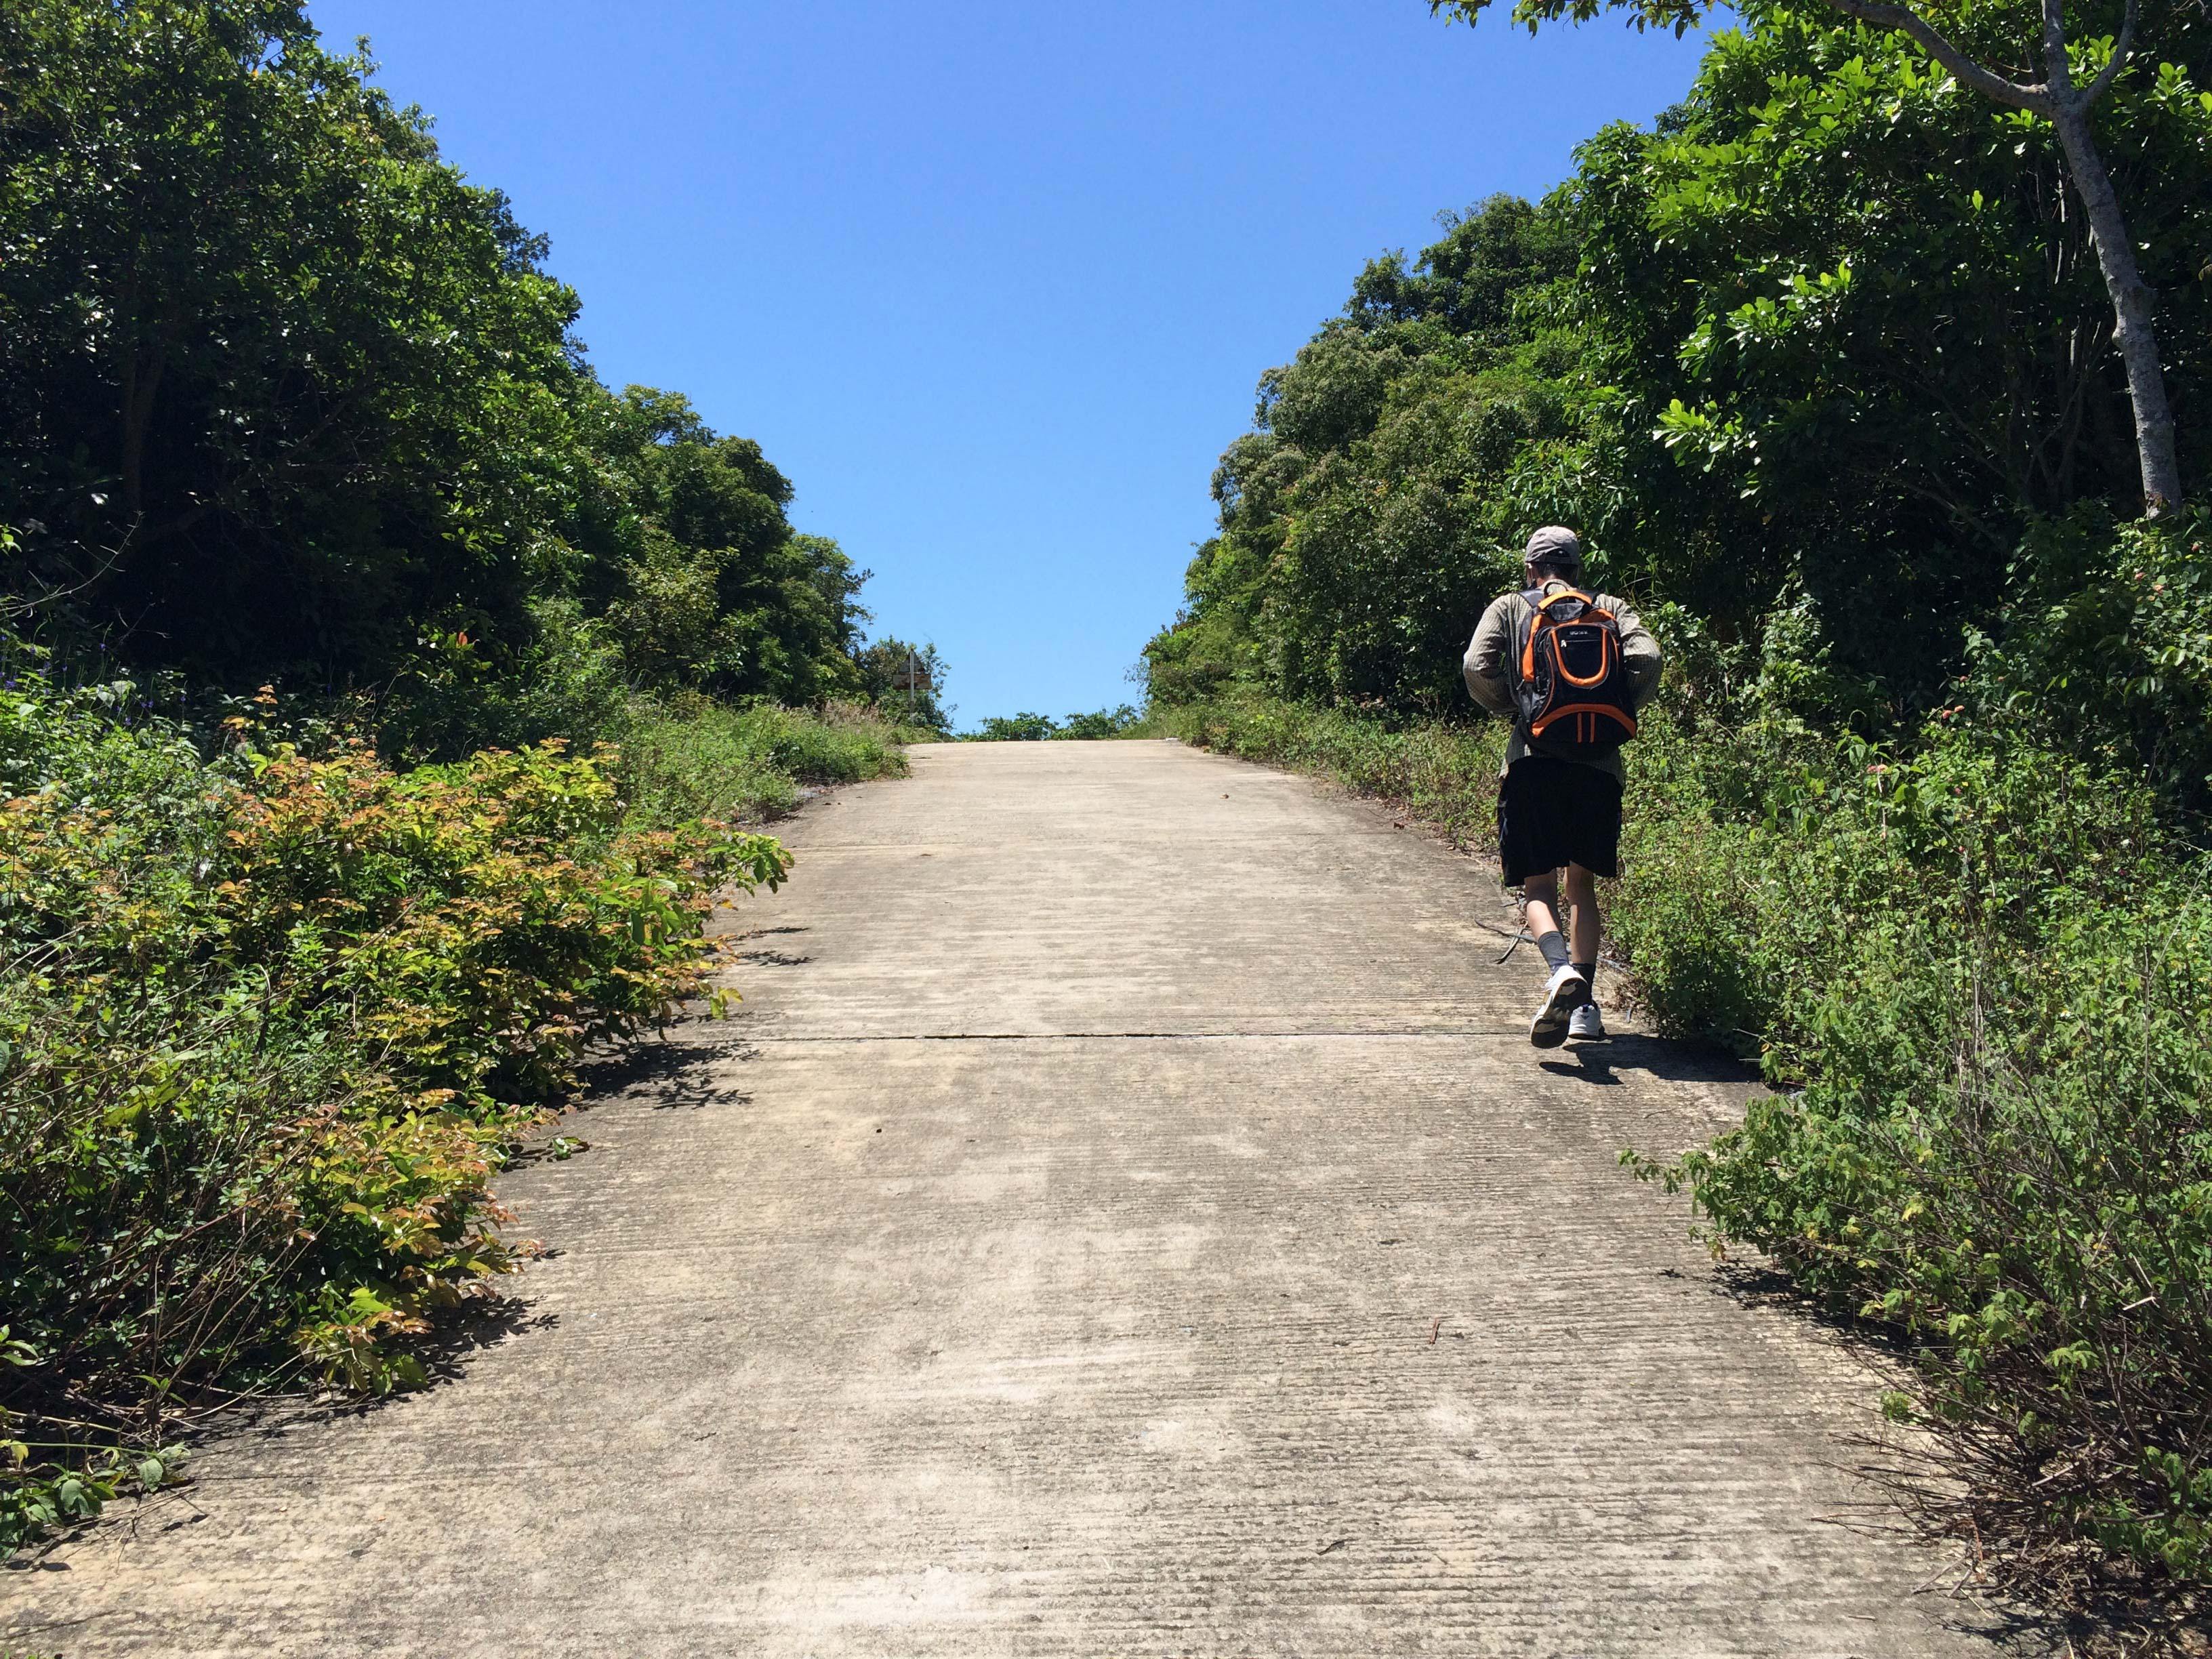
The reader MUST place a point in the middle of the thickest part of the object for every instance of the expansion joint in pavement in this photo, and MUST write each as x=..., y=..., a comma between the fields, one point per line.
x=1470, y=1034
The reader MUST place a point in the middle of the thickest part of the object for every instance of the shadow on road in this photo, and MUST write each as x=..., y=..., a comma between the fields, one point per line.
x=1659, y=1057
x=668, y=1075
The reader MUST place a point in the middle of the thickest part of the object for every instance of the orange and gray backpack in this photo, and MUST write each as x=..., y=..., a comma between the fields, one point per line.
x=1572, y=689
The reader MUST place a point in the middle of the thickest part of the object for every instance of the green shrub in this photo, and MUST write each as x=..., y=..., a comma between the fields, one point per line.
x=697, y=759
x=2019, y=1175
x=2105, y=648
x=1117, y=722
x=1025, y=727
x=1124, y=722
x=268, y=1026
x=1979, y=969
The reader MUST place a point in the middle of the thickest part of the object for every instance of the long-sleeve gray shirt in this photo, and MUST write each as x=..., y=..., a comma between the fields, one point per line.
x=1490, y=671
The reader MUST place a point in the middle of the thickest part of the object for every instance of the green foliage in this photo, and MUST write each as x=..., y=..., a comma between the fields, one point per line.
x=1973, y=965
x=2106, y=648
x=1122, y=721
x=1830, y=339
x=1370, y=515
x=1978, y=972
x=1015, y=728
x=905, y=682
x=274, y=377
x=1856, y=308
x=282, y=389
x=703, y=760
x=267, y=1027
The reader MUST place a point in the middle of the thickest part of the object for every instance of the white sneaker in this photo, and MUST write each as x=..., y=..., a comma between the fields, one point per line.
x=1562, y=994
x=1586, y=1023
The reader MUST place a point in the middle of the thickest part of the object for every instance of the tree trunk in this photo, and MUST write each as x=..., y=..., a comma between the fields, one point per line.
x=139, y=386
x=2131, y=304
x=2066, y=106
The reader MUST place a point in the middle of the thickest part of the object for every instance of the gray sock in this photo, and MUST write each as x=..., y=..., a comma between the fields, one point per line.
x=1553, y=944
x=1588, y=971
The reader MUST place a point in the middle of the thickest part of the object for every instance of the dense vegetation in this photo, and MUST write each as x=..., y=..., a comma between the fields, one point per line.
x=1822, y=367
x=285, y=399
x=383, y=696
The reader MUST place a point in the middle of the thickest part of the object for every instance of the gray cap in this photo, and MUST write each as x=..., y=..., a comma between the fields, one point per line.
x=1555, y=544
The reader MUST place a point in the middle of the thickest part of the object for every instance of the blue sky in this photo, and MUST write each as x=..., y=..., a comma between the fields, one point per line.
x=992, y=282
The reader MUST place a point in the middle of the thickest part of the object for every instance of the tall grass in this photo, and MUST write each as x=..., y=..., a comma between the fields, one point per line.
x=693, y=758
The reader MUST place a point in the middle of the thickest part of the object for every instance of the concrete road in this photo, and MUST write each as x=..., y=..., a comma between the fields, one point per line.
x=1127, y=1218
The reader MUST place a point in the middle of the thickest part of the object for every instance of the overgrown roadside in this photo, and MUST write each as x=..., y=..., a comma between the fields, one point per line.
x=284, y=977
x=1984, y=1130
x=273, y=1015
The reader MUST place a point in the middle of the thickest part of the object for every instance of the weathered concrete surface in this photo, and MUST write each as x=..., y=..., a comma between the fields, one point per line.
x=1127, y=1219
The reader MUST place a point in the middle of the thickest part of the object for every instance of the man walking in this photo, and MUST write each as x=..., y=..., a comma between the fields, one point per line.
x=1558, y=799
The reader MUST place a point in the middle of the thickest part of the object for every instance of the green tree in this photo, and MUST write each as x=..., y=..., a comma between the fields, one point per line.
x=1025, y=727
x=282, y=397
x=275, y=386
x=685, y=546
x=2074, y=79
x=905, y=680
x=1809, y=358
x=1365, y=521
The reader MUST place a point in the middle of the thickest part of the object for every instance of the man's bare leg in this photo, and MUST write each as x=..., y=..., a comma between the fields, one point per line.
x=1582, y=894
x=1547, y=915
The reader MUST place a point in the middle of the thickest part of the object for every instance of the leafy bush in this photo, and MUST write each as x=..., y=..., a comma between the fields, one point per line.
x=1124, y=722
x=2106, y=648
x=267, y=1024
x=1975, y=967
x=1025, y=727
x=1121, y=721
x=2037, y=1214
x=693, y=759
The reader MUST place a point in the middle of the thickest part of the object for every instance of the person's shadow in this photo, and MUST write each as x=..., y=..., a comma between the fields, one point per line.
x=1593, y=1064
x=1676, y=1062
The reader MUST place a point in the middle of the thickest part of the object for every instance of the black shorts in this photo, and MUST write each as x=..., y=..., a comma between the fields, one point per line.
x=1553, y=812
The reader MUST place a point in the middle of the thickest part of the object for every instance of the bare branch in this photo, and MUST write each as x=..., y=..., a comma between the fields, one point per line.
x=1990, y=84
x=15, y=606
x=2122, y=49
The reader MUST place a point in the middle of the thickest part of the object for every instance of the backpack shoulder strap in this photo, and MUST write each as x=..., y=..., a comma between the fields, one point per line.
x=1524, y=642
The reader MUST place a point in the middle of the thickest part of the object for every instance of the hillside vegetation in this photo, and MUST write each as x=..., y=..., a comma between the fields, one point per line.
x=386, y=700
x=1822, y=367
